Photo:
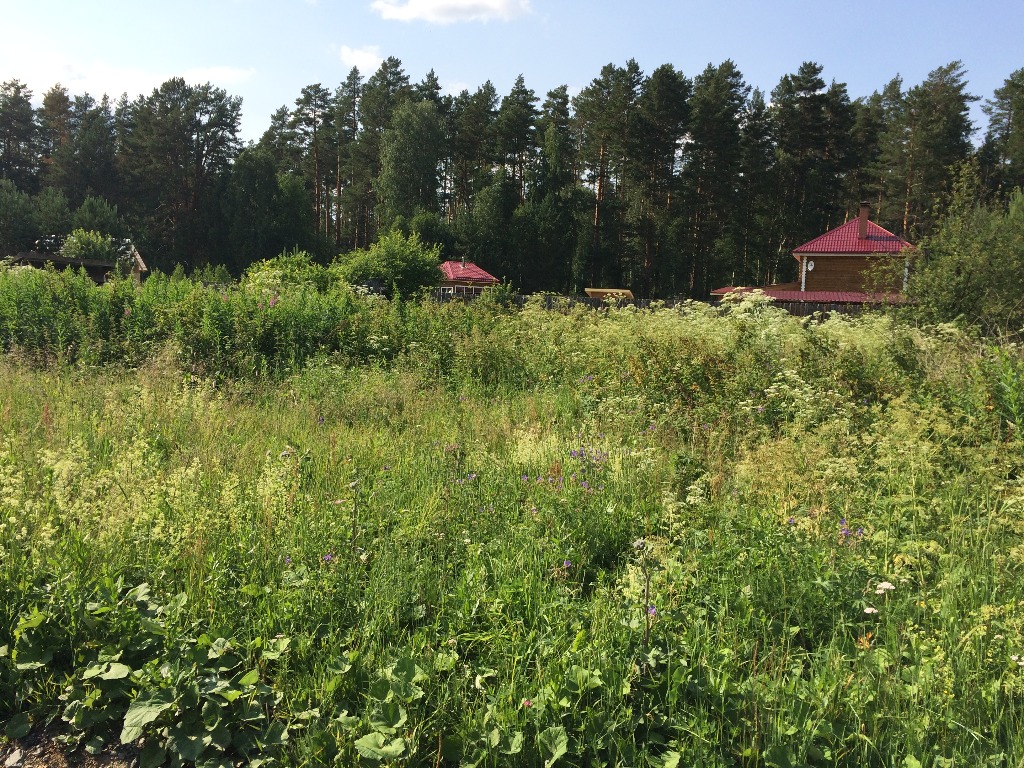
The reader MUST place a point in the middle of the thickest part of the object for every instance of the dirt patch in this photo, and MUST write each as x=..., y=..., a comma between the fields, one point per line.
x=42, y=751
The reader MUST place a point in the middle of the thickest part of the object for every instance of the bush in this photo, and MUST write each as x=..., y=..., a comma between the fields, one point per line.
x=971, y=266
x=404, y=264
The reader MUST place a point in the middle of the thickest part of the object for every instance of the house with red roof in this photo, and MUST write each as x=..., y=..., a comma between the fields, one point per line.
x=840, y=266
x=463, y=278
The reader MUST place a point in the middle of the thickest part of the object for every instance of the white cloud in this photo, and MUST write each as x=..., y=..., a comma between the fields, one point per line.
x=367, y=58
x=450, y=11
x=40, y=67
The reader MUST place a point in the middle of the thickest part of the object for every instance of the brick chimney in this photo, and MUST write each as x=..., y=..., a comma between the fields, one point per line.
x=863, y=233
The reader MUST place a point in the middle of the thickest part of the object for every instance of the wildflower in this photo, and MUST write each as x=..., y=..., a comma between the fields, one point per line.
x=127, y=311
x=527, y=703
x=652, y=611
x=860, y=532
x=273, y=300
x=884, y=587
x=525, y=478
x=328, y=557
x=792, y=521
x=870, y=611
x=287, y=560
x=567, y=564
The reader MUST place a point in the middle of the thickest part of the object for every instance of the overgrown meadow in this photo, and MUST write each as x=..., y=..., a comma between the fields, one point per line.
x=280, y=523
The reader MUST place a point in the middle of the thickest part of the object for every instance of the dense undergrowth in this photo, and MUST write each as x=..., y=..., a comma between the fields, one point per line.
x=281, y=523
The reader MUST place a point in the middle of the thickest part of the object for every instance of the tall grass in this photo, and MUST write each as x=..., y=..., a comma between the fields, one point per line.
x=451, y=535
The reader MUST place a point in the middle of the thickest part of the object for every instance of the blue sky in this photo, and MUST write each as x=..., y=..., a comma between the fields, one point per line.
x=266, y=50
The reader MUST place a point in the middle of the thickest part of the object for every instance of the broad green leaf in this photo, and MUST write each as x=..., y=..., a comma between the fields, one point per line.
x=911, y=762
x=374, y=746
x=554, y=742
x=388, y=717
x=116, y=672
x=146, y=708
x=36, y=618
x=276, y=647
x=347, y=721
x=18, y=726
x=152, y=755
x=276, y=734
x=211, y=714
x=512, y=746
x=405, y=669
x=250, y=678
x=188, y=745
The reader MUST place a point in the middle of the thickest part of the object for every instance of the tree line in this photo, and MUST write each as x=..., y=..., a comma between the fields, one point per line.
x=667, y=184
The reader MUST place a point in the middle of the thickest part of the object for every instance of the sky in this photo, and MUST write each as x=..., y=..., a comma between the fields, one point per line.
x=266, y=51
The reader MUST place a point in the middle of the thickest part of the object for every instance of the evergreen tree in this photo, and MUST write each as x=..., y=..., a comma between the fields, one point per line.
x=54, y=132
x=711, y=178
x=556, y=202
x=96, y=214
x=607, y=122
x=927, y=134
x=1004, y=140
x=515, y=129
x=350, y=205
x=411, y=152
x=311, y=124
x=177, y=144
x=752, y=231
x=654, y=207
x=87, y=164
x=18, y=136
x=52, y=213
x=473, y=146
x=18, y=230
x=382, y=94
x=813, y=128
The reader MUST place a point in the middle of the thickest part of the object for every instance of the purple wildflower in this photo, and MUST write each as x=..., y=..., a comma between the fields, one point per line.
x=567, y=564
x=328, y=557
x=652, y=611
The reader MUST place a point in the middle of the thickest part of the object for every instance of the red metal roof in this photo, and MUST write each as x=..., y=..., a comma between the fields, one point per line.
x=846, y=239
x=467, y=271
x=821, y=297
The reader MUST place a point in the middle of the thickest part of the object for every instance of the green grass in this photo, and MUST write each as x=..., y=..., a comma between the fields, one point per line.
x=519, y=538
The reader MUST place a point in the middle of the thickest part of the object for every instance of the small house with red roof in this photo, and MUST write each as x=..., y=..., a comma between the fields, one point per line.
x=464, y=278
x=840, y=266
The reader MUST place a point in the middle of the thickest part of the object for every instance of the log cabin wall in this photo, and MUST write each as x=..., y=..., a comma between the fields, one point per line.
x=848, y=272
